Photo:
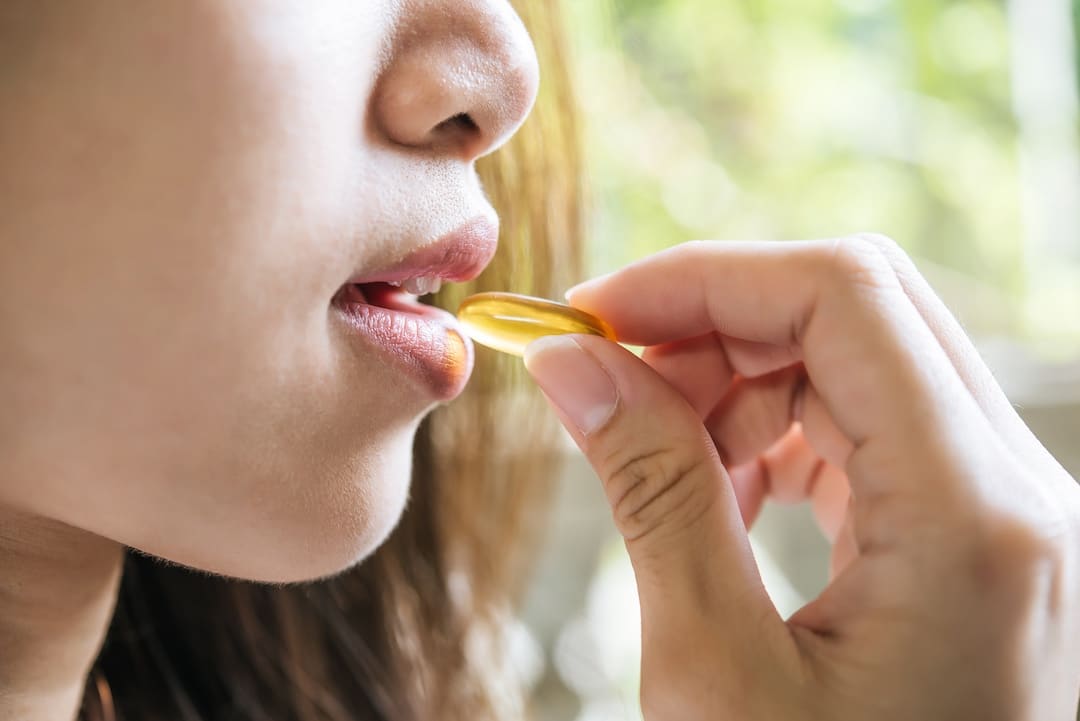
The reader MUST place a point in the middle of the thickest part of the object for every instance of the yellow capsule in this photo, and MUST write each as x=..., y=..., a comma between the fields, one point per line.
x=508, y=322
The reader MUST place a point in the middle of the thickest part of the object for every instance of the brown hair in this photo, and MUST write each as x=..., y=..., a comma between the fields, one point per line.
x=418, y=630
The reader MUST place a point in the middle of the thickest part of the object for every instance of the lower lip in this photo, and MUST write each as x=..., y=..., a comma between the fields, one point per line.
x=423, y=341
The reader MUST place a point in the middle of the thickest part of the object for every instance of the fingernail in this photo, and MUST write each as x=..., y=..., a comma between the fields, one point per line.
x=573, y=380
x=585, y=284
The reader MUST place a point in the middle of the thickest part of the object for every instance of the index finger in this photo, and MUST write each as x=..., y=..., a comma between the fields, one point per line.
x=876, y=365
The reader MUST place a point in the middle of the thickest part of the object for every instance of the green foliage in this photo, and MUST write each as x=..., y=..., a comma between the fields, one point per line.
x=805, y=118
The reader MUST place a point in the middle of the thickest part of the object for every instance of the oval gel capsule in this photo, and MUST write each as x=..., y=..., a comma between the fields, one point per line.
x=508, y=322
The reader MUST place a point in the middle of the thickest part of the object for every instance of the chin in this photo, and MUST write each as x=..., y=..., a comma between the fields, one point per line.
x=326, y=544
x=327, y=526
x=313, y=548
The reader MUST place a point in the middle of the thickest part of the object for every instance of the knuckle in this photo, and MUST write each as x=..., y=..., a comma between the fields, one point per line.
x=693, y=249
x=857, y=260
x=1012, y=556
x=898, y=258
x=884, y=244
x=650, y=490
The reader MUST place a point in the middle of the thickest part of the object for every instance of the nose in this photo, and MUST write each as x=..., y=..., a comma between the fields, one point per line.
x=460, y=78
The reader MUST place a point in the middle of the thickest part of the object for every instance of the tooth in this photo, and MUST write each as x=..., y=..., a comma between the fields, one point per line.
x=421, y=285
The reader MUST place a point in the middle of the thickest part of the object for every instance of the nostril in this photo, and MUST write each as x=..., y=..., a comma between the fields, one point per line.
x=458, y=130
x=461, y=122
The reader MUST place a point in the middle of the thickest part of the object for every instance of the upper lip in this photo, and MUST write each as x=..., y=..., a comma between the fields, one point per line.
x=457, y=256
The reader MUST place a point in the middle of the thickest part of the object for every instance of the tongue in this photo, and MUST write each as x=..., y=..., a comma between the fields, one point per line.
x=385, y=295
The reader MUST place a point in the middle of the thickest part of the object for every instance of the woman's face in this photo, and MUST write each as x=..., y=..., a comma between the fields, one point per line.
x=188, y=187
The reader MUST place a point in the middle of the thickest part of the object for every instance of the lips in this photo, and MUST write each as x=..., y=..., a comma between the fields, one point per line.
x=424, y=341
x=459, y=256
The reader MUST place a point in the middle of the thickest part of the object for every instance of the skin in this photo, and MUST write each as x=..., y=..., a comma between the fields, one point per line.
x=186, y=185
x=825, y=372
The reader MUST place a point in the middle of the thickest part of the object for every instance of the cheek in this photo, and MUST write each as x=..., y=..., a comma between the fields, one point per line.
x=189, y=400
x=283, y=496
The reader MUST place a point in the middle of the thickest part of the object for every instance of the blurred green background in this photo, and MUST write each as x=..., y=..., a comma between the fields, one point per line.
x=951, y=126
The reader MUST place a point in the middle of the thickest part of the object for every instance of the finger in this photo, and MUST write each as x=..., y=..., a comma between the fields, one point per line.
x=878, y=369
x=703, y=368
x=791, y=471
x=791, y=468
x=845, y=549
x=698, y=368
x=757, y=412
x=748, y=482
x=670, y=496
x=829, y=499
x=782, y=473
x=750, y=413
x=965, y=358
x=821, y=431
x=750, y=359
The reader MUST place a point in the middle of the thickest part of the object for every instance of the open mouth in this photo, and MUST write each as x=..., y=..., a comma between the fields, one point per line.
x=382, y=308
x=423, y=340
x=391, y=296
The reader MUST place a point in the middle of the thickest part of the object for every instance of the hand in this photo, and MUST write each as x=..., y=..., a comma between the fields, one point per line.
x=825, y=371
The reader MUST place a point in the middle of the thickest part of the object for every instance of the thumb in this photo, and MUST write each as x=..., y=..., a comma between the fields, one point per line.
x=671, y=498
